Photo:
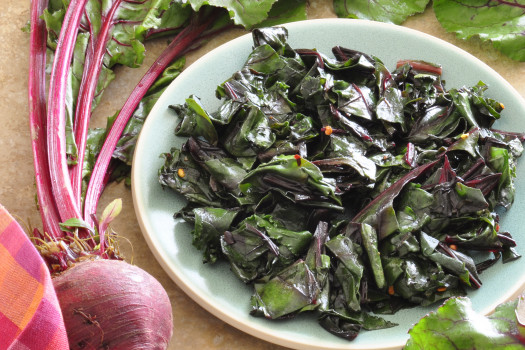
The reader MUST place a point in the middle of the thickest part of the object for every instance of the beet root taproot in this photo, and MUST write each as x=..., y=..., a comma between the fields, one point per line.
x=110, y=304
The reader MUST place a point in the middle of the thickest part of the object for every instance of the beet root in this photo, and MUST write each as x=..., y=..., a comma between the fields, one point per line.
x=110, y=304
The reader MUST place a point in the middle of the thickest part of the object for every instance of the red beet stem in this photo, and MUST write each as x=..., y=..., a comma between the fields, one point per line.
x=421, y=66
x=37, y=119
x=56, y=114
x=85, y=100
x=184, y=41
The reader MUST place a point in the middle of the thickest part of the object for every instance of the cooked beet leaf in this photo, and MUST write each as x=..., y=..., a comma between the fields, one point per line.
x=341, y=188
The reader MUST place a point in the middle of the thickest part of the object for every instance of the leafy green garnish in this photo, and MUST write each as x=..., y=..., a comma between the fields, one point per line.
x=383, y=10
x=243, y=12
x=455, y=325
x=499, y=22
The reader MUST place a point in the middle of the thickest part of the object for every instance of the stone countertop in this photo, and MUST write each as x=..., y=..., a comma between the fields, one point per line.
x=194, y=327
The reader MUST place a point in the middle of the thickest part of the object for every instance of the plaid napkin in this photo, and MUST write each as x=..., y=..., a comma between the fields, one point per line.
x=30, y=317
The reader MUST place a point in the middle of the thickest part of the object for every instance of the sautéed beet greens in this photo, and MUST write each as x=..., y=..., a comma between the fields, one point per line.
x=335, y=186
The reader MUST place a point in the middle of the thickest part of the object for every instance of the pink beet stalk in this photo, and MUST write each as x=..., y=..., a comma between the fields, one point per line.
x=106, y=303
x=85, y=100
x=37, y=119
x=56, y=114
x=182, y=42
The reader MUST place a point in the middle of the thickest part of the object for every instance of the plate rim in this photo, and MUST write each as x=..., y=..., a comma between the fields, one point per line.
x=170, y=269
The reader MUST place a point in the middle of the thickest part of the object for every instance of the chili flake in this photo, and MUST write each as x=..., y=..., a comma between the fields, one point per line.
x=298, y=159
x=391, y=290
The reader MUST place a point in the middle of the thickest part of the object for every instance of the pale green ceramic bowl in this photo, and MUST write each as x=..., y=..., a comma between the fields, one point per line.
x=214, y=287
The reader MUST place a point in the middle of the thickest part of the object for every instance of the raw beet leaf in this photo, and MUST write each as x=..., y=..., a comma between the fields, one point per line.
x=284, y=11
x=132, y=22
x=455, y=325
x=123, y=153
x=126, y=145
x=244, y=12
x=499, y=22
x=383, y=10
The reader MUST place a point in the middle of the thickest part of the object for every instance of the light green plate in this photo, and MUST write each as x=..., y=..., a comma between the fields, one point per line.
x=214, y=287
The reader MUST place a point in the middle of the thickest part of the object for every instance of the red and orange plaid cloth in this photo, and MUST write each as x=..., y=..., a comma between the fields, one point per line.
x=30, y=317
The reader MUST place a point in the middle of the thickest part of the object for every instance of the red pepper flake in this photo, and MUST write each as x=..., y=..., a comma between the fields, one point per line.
x=298, y=159
x=327, y=130
x=497, y=227
x=442, y=289
x=453, y=247
x=391, y=290
x=181, y=173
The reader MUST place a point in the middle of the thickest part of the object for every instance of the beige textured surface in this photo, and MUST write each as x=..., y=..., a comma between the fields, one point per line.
x=194, y=327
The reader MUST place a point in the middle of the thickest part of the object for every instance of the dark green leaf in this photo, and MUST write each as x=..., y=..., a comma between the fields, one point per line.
x=369, y=237
x=350, y=269
x=242, y=12
x=500, y=22
x=455, y=325
x=221, y=168
x=194, y=182
x=195, y=121
x=381, y=10
x=380, y=213
x=126, y=144
x=291, y=175
x=210, y=224
x=289, y=291
x=260, y=246
x=501, y=162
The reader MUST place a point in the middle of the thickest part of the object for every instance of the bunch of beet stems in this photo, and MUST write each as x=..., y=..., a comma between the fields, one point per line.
x=59, y=185
x=105, y=303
